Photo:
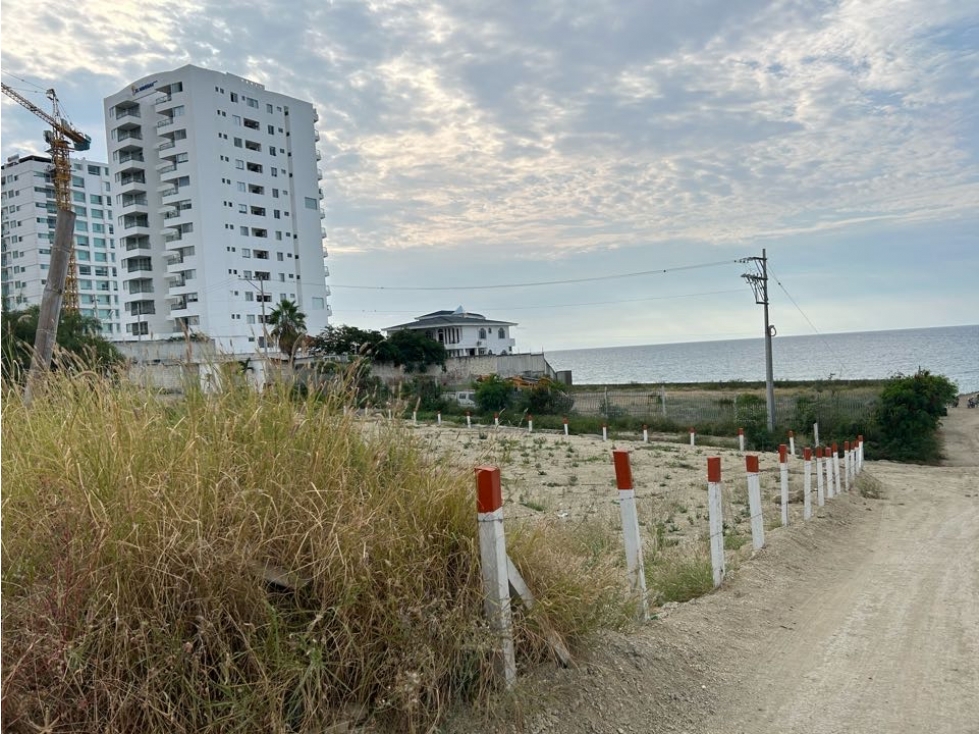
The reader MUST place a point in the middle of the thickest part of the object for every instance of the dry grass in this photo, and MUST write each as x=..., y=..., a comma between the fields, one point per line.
x=252, y=562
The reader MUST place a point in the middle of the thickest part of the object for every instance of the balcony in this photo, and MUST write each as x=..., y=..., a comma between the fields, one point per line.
x=138, y=265
x=166, y=145
x=122, y=112
x=128, y=201
x=136, y=243
x=129, y=134
x=166, y=122
x=326, y=272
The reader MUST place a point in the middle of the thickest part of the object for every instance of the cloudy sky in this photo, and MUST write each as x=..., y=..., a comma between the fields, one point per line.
x=475, y=144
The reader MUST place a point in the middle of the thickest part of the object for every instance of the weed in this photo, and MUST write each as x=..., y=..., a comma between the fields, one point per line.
x=870, y=487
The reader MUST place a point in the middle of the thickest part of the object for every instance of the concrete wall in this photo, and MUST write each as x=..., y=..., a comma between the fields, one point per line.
x=461, y=371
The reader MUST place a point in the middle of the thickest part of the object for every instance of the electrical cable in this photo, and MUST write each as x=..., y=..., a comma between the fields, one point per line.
x=499, y=286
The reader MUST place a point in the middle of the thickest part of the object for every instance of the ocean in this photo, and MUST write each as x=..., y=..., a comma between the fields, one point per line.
x=951, y=351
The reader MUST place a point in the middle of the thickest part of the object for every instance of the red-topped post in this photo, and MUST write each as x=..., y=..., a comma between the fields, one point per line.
x=715, y=518
x=741, y=440
x=807, y=484
x=836, y=467
x=783, y=472
x=693, y=437
x=605, y=432
x=493, y=566
x=754, y=503
x=469, y=422
x=847, y=482
x=792, y=443
x=565, y=425
x=820, y=491
x=630, y=527
x=645, y=433
x=496, y=419
x=530, y=423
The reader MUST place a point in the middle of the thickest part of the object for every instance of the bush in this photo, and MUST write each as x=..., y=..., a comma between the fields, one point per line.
x=493, y=394
x=909, y=414
x=546, y=398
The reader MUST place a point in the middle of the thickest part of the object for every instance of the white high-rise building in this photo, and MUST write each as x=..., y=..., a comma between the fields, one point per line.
x=29, y=211
x=218, y=207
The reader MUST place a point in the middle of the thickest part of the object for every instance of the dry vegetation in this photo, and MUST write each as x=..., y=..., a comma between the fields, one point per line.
x=246, y=562
x=258, y=562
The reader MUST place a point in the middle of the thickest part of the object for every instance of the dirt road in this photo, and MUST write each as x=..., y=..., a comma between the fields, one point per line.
x=889, y=642
x=864, y=621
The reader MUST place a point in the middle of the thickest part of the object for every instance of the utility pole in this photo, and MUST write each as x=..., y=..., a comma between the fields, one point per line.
x=758, y=280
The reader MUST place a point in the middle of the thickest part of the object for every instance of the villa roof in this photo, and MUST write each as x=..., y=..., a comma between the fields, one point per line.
x=459, y=317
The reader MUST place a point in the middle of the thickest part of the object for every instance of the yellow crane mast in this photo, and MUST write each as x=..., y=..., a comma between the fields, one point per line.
x=57, y=139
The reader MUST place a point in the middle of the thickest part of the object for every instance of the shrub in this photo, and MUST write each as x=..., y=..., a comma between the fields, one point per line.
x=493, y=393
x=909, y=414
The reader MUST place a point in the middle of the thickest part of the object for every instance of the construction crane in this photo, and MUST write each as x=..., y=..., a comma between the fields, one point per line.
x=61, y=286
x=57, y=139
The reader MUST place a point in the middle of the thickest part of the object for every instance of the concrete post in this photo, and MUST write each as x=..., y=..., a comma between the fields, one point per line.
x=792, y=444
x=715, y=517
x=469, y=422
x=530, y=424
x=754, y=503
x=741, y=440
x=604, y=432
x=565, y=426
x=630, y=527
x=438, y=418
x=820, y=491
x=493, y=562
x=645, y=433
x=828, y=468
x=836, y=467
x=807, y=485
x=783, y=470
x=693, y=437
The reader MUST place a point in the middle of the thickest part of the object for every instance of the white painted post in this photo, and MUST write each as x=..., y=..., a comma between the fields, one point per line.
x=828, y=468
x=754, y=503
x=645, y=433
x=807, y=484
x=414, y=417
x=565, y=426
x=438, y=417
x=389, y=414
x=496, y=419
x=693, y=437
x=715, y=518
x=469, y=423
x=860, y=453
x=604, y=432
x=836, y=467
x=783, y=470
x=493, y=562
x=820, y=491
x=530, y=423
x=741, y=440
x=846, y=466
x=630, y=527
x=815, y=433
x=792, y=444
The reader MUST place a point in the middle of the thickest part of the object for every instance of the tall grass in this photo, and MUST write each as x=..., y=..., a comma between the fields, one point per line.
x=246, y=562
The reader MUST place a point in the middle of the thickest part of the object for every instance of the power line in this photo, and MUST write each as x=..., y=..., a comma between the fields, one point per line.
x=498, y=286
x=559, y=305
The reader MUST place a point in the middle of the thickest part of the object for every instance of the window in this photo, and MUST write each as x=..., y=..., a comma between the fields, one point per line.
x=250, y=124
x=78, y=182
x=258, y=211
x=254, y=167
x=251, y=102
x=236, y=120
x=95, y=199
x=275, y=193
x=279, y=256
x=243, y=231
x=241, y=186
x=317, y=303
x=249, y=296
x=271, y=129
x=234, y=96
x=501, y=333
x=310, y=202
x=98, y=213
x=239, y=164
x=277, y=214
x=243, y=209
x=268, y=108
x=78, y=196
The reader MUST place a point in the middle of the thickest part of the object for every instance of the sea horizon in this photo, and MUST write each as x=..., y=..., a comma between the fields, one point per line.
x=952, y=351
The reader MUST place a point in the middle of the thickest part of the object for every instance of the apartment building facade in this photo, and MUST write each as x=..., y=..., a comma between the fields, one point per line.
x=217, y=207
x=29, y=212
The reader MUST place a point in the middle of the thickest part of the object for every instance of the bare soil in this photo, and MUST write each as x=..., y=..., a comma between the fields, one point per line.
x=864, y=620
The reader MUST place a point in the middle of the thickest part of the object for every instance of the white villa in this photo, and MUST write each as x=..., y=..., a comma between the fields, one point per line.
x=463, y=334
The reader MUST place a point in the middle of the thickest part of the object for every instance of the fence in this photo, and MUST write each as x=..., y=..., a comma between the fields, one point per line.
x=500, y=575
x=698, y=408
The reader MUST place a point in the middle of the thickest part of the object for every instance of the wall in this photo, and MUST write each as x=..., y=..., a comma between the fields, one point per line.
x=461, y=371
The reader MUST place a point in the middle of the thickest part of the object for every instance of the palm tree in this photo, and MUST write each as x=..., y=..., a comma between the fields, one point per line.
x=288, y=326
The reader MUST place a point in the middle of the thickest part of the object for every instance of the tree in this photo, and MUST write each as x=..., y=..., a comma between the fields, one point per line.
x=412, y=349
x=78, y=336
x=288, y=325
x=349, y=340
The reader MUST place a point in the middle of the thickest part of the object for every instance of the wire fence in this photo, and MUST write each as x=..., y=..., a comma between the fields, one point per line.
x=698, y=408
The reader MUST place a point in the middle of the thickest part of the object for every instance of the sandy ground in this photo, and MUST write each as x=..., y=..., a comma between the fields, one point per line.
x=864, y=620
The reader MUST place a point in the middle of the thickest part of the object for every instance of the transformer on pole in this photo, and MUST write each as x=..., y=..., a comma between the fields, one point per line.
x=758, y=280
